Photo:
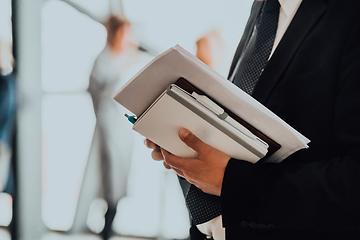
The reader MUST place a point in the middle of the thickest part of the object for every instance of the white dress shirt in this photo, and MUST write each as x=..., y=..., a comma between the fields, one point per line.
x=213, y=228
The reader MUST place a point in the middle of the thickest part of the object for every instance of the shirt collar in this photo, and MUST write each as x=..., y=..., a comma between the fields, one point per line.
x=289, y=6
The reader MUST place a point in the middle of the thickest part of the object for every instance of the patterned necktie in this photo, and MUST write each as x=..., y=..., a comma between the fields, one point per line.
x=204, y=207
x=254, y=58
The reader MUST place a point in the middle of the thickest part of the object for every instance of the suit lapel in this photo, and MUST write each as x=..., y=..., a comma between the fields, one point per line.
x=255, y=10
x=303, y=21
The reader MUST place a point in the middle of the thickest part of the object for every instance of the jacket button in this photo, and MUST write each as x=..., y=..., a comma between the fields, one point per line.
x=252, y=225
x=261, y=226
x=244, y=224
x=270, y=226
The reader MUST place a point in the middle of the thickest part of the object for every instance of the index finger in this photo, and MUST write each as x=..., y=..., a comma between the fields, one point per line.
x=150, y=144
x=175, y=161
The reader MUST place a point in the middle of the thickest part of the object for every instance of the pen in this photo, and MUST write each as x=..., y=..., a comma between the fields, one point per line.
x=205, y=101
x=132, y=119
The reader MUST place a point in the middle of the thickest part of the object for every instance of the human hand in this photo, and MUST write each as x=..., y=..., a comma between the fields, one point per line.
x=206, y=171
x=156, y=153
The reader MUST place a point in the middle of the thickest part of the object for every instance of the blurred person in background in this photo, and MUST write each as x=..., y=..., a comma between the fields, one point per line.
x=210, y=48
x=122, y=152
x=118, y=61
x=153, y=206
x=7, y=115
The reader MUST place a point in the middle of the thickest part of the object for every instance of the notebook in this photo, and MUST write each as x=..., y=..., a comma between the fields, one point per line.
x=176, y=108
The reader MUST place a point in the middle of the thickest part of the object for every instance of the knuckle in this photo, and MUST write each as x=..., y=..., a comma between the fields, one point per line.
x=166, y=160
x=190, y=180
x=191, y=175
x=166, y=166
x=193, y=139
x=147, y=144
x=150, y=144
x=156, y=155
x=190, y=139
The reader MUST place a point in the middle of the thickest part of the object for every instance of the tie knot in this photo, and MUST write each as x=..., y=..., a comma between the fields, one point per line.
x=271, y=5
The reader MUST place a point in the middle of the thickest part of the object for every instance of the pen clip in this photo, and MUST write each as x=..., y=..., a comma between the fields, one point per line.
x=206, y=102
x=212, y=106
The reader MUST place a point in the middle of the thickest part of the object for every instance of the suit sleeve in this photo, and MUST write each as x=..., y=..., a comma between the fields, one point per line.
x=306, y=192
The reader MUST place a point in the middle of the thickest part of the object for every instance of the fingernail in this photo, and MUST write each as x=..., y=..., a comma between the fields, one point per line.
x=183, y=133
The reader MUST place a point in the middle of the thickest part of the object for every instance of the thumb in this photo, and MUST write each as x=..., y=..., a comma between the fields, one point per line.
x=191, y=140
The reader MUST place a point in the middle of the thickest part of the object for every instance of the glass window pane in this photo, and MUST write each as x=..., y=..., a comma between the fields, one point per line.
x=4, y=234
x=68, y=126
x=71, y=41
x=6, y=206
x=153, y=205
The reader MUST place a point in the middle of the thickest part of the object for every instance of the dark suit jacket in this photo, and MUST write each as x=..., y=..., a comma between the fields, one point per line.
x=312, y=81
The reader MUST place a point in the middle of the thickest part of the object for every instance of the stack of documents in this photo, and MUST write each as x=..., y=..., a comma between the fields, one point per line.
x=176, y=108
x=178, y=90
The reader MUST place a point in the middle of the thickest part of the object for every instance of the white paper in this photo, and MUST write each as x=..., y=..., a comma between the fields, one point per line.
x=145, y=87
